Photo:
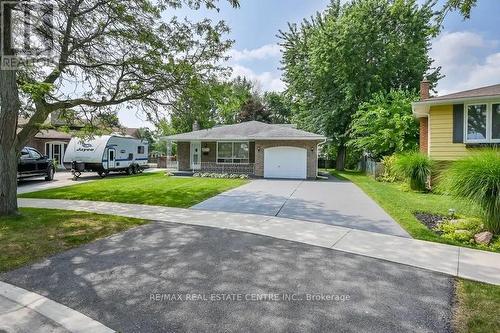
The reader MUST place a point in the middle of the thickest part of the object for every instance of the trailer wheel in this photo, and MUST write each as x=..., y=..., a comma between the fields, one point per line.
x=102, y=174
x=130, y=170
x=76, y=174
x=135, y=169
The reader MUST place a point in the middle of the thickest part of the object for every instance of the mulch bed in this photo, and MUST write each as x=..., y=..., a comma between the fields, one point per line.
x=431, y=221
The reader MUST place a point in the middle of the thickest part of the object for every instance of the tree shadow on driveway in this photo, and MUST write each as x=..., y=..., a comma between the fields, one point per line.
x=112, y=280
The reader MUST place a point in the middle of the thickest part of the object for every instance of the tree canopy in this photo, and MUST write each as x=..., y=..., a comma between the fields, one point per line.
x=104, y=55
x=385, y=125
x=338, y=59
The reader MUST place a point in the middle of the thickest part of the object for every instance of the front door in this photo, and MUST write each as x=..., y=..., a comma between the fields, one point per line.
x=111, y=158
x=196, y=155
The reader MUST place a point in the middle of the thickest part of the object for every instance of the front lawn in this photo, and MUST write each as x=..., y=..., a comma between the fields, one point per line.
x=478, y=307
x=38, y=233
x=403, y=204
x=147, y=188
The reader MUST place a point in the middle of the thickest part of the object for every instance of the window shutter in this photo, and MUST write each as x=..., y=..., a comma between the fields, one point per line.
x=458, y=123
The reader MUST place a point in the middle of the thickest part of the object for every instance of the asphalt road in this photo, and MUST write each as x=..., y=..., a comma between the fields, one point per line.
x=125, y=282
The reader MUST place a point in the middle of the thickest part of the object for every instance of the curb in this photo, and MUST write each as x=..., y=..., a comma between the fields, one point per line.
x=68, y=318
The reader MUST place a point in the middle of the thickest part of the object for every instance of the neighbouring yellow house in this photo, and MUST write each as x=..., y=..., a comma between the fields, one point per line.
x=453, y=125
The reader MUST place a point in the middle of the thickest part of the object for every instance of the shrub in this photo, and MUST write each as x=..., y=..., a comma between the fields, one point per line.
x=477, y=178
x=220, y=175
x=414, y=167
x=389, y=174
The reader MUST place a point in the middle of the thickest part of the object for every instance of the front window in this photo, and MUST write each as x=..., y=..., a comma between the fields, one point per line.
x=495, y=126
x=476, y=122
x=233, y=152
x=483, y=122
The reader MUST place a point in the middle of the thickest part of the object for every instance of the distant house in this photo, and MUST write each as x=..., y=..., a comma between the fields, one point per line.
x=255, y=148
x=453, y=125
x=50, y=141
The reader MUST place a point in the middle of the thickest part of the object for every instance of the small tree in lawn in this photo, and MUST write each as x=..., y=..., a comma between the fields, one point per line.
x=105, y=54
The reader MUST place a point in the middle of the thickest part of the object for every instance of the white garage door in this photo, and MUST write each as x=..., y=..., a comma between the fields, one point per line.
x=285, y=162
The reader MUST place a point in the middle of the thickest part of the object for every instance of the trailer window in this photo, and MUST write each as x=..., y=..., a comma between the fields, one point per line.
x=140, y=150
x=130, y=157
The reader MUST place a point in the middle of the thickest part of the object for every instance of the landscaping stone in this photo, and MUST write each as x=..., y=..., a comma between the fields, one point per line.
x=483, y=237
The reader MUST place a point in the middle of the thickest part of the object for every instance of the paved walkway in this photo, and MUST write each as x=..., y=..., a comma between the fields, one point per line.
x=25, y=311
x=333, y=201
x=457, y=261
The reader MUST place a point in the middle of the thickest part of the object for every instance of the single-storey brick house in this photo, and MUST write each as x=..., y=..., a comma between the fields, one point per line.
x=253, y=147
x=452, y=125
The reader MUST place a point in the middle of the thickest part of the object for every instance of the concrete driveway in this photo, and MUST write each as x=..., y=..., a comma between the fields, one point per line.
x=139, y=281
x=61, y=178
x=331, y=201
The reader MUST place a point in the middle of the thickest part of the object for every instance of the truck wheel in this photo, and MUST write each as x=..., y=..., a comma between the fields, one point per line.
x=102, y=174
x=50, y=174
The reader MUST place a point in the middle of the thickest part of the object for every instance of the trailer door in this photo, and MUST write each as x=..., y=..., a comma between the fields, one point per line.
x=111, y=158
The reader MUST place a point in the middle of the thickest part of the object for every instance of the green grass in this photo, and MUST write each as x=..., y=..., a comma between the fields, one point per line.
x=402, y=205
x=478, y=307
x=147, y=188
x=38, y=233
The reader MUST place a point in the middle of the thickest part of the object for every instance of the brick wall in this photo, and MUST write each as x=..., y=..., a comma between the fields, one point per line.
x=424, y=135
x=309, y=145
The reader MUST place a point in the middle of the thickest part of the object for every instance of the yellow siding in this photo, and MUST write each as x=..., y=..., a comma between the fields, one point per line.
x=441, y=143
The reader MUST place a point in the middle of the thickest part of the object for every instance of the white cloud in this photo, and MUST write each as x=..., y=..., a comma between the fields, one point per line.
x=267, y=81
x=261, y=53
x=467, y=59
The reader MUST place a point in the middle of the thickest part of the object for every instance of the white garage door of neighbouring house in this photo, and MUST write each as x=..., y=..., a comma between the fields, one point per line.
x=285, y=162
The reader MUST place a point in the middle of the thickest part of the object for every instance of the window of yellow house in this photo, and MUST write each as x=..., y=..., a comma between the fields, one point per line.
x=482, y=122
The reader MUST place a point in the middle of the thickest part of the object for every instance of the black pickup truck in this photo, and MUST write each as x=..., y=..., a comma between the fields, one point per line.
x=33, y=164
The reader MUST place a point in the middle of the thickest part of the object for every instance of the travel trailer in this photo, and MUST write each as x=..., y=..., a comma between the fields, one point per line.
x=107, y=153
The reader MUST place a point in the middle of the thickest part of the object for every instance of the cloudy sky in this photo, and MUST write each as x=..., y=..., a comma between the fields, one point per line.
x=468, y=51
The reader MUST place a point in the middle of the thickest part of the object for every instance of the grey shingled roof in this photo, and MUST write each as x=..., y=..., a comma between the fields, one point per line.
x=473, y=93
x=250, y=130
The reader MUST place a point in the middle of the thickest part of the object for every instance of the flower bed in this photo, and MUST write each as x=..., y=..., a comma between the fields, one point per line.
x=220, y=175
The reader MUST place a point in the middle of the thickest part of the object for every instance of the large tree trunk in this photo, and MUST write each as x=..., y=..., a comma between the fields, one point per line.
x=340, y=161
x=9, y=111
x=8, y=180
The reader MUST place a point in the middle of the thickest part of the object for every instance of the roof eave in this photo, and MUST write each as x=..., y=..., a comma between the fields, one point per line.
x=421, y=109
x=167, y=138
